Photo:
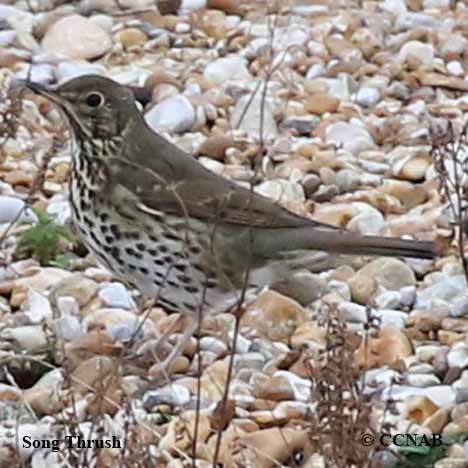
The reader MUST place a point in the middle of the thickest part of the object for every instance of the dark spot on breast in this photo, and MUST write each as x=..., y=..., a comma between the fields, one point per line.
x=153, y=252
x=132, y=235
x=94, y=237
x=163, y=249
x=171, y=236
x=194, y=249
x=189, y=306
x=133, y=253
x=184, y=278
x=168, y=304
x=140, y=246
x=115, y=231
x=144, y=270
x=180, y=267
x=88, y=221
x=191, y=289
x=104, y=217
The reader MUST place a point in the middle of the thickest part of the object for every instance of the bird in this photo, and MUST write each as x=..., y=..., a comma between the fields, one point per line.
x=157, y=218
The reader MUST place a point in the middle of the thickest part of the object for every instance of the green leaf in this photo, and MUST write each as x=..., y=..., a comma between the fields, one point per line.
x=44, y=240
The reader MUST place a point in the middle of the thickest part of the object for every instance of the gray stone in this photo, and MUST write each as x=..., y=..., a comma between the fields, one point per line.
x=347, y=180
x=351, y=312
x=71, y=69
x=216, y=346
x=11, y=208
x=441, y=395
x=388, y=300
x=38, y=73
x=248, y=113
x=408, y=296
x=76, y=286
x=447, y=289
x=351, y=136
x=251, y=360
x=459, y=307
x=7, y=37
x=281, y=190
x=68, y=328
x=173, y=395
x=304, y=287
x=392, y=317
x=422, y=380
x=311, y=183
x=227, y=68
x=116, y=295
x=302, y=125
x=417, y=50
x=367, y=96
x=458, y=356
x=174, y=114
x=410, y=20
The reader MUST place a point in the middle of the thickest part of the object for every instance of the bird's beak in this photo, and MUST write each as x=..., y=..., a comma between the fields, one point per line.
x=48, y=92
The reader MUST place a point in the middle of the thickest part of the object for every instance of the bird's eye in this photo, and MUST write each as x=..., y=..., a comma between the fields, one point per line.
x=94, y=99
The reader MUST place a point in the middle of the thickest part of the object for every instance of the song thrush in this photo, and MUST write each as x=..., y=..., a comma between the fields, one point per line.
x=156, y=217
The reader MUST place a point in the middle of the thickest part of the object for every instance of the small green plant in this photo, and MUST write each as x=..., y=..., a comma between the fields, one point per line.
x=44, y=241
x=423, y=454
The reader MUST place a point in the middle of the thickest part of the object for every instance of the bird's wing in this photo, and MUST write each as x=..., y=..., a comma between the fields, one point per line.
x=172, y=182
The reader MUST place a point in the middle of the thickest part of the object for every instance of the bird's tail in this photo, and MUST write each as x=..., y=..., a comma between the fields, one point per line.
x=343, y=242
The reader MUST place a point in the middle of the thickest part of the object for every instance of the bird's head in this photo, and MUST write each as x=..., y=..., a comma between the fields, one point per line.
x=96, y=107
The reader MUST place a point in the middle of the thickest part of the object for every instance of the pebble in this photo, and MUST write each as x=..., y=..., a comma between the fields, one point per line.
x=31, y=337
x=352, y=312
x=76, y=286
x=458, y=356
x=37, y=307
x=173, y=395
x=11, y=208
x=282, y=191
x=388, y=300
x=71, y=69
x=459, y=307
x=367, y=97
x=350, y=136
x=304, y=287
x=415, y=50
x=227, y=68
x=274, y=316
x=246, y=116
x=388, y=273
x=216, y=346
x=68, y=328
x=173, y=114
x=76, y=37
x=447, y=289
x=116, y=295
